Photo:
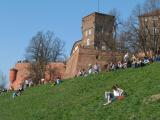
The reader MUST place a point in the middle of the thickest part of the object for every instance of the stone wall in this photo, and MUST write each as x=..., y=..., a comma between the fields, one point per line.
x=23, y=73
x=85, y=56
x=54, y=70
x=71, y=66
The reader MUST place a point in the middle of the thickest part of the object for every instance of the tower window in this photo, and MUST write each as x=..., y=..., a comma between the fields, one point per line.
x=102, y=30
x=86, y=33
x=88, y=42
x=97, y=57
x=145, y=19
x=89, y=32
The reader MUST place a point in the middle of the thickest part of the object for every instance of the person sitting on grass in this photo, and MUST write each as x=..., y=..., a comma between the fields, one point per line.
x=90, y=69
x=96, y=68
x=16, y=93
x=146, y=60
x=121, y=91
x=57, y=81
x=111, y=96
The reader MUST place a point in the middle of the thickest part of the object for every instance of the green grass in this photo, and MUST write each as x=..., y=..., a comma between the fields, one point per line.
x=83, y=98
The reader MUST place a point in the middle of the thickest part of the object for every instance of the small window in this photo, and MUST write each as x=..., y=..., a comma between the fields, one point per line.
x=155, y=18
x=88, y=42
x=97, y=57
x=156, y=30
x=86, y=33
x=103, y=47
x=89, y=32
x=145, y=19
x=102, y=30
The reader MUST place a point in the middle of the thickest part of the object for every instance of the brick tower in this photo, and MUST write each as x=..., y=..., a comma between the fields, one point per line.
x=96, y=46
x=97, y=31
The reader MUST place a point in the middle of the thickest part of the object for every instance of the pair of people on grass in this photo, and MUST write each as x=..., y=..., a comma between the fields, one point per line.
x=116, y=93
x=57, y=81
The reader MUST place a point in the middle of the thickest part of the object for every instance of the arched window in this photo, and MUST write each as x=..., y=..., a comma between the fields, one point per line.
x=88, y=42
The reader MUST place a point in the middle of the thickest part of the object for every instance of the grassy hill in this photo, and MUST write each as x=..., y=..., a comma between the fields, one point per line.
x=82, y=98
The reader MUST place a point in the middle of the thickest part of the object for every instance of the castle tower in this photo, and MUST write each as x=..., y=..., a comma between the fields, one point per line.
x=97, y=31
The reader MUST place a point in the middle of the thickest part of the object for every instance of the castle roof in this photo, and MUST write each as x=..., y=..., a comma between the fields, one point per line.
x=152, y=13
x=98, y=13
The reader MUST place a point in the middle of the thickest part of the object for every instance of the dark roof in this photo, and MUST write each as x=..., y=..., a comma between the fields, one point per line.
x=152, y=13
x=98, y=14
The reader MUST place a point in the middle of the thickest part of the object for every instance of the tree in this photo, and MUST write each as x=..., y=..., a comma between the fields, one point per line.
x=119, y=34
x=141, y=30
x=43, y=48
x=117, y=21
x=151, y=5
x=2, y=80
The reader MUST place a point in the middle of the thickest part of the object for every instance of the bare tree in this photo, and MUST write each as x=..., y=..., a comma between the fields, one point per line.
x=119, y=31
x=2, y=80
x=43, y=48
x=117, y=21
x=151, y=5
x=142, y=33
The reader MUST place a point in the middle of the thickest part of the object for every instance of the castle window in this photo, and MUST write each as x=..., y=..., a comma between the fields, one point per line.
x=89, y=32
x=88, y=42
x=102, y=30
x=156, y=30
x=86, y=33
x=97, y=57
x=155, y=18
x=103, y=47
x=145, y=19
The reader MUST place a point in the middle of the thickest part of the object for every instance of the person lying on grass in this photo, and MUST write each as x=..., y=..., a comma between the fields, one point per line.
x=117, y=93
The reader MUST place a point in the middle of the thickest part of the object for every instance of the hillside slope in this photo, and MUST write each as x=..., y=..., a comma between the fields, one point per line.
x=82, y=98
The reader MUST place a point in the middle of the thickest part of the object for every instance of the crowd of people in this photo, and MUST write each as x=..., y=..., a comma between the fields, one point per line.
x=28, y=83
x=91, y=69
x=127, y=62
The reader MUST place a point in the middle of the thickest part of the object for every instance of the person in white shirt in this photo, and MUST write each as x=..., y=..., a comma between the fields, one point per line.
x=90, y=69
x=96, y=68
x=42, y=81
x=126, y=57
x=121, y=91
x=27, y=83
x=109, y=96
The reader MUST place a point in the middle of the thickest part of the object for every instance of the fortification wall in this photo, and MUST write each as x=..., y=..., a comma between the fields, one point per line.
x=71, y=66
x=54, y=70
x=23, y=73
x=85, y=56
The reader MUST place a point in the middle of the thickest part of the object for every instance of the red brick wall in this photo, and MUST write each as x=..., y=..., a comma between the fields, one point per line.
x=71, y=66
x=54, y=70
x=23, y=73
x=85, y=56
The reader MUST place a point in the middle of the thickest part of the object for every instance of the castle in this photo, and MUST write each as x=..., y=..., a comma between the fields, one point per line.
x=96, y=46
